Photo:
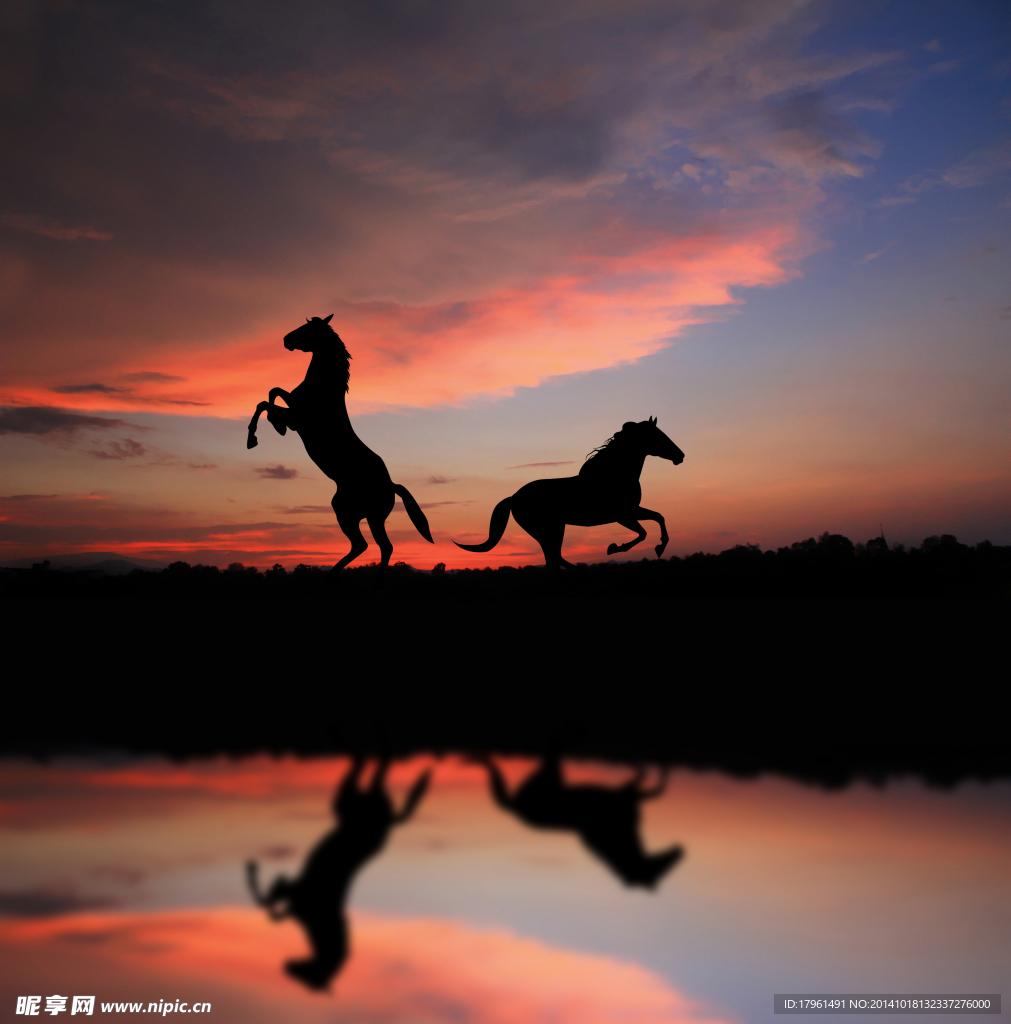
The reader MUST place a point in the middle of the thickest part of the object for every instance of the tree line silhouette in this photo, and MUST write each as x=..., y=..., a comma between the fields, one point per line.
x=829, y=566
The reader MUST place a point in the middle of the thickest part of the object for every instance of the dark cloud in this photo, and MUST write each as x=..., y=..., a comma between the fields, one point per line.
x=307, y=510
x=277, y=473
x=47, y=902
x=990, y=250
x=440, y=480
x=201, y=465
x=128, y=449
x=82, y=389
x=44, y=419
x=399, y=506
x=537, y=465
x=49, y=228
x=807, y=127
x=980, y=167
x=151, y=377
x=422, y=152
x=105, y=389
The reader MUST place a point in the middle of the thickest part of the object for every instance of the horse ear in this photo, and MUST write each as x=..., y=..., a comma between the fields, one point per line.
x=327, y=319
x=652, y=420
x=307, y=320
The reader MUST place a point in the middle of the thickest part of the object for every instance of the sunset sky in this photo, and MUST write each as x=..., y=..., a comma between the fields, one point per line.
x=124, y=879
x=781, y=227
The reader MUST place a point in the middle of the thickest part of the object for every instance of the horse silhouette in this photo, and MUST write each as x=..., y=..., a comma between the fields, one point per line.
x=605, y=491
x=316, y=409
x=606, y=819
x=316, y=898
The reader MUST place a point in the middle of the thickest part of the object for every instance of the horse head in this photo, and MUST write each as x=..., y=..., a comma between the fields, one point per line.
x=312, y=336
x=652, y=439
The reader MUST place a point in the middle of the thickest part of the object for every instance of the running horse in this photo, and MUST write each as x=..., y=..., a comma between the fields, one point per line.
x=605, y=491
x=316, y=409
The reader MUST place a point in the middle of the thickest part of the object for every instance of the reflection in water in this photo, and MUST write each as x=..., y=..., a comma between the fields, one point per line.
x=118, y=879
x=606, y=819
x=316, y=898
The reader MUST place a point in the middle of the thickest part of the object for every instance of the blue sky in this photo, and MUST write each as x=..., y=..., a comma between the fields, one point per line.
x=781, y=228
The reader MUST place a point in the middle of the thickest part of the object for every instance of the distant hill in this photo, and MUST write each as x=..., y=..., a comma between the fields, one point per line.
x=103, y=561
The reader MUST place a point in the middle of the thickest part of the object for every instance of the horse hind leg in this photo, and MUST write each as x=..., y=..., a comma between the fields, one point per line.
x=378, y=528
x=350, y=525
x=277, y=417
x=550, y=537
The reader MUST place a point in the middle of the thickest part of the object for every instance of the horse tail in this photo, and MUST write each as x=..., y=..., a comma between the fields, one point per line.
x=414, y=511
x=499, y=519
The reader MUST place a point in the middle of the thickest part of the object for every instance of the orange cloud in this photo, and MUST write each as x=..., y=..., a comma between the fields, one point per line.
x=493, y=205
x=606, y=308
x=418, y=969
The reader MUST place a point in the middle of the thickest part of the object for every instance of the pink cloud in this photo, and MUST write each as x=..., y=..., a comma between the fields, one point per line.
x=498, y=205
x=420, y=969
x=610, y=307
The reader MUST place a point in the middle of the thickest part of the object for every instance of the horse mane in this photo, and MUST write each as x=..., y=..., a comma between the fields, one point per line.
x=601, y=454
x=600, y=450
x=342, y=350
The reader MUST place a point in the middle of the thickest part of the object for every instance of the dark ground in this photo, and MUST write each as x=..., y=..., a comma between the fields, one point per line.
x=824, y=664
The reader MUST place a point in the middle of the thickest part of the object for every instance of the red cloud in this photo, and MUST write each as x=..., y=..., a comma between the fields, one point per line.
x=417, y=969
x=618, y=304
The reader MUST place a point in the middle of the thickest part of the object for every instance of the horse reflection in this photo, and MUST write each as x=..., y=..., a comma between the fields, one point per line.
x=316, y=898
x=606, y=819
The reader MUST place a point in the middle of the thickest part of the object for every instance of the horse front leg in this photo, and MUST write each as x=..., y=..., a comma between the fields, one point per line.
x=280, y=891
x=629, y=524
x=251, y=441
x=645, y=513
x=279, y=417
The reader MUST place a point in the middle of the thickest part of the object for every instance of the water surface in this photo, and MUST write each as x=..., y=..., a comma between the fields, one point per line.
x=124, y=879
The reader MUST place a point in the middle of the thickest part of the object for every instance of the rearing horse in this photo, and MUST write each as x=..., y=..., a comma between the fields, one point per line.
x=316, y=898
x=605, y=491
x=317, y=411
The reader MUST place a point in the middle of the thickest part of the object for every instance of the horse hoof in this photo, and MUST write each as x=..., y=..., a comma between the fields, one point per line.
x=659, y=550
x=251, y=441
x=612, y=548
